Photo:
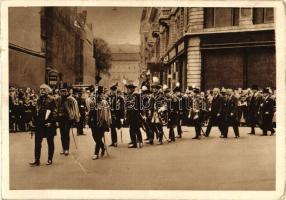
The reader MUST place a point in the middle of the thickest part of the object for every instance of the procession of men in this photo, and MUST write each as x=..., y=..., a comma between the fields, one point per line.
x=145, y=111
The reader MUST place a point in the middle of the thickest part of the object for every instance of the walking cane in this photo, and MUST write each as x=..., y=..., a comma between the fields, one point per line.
x=105, y=144
x=121, y=135
x=73, y=138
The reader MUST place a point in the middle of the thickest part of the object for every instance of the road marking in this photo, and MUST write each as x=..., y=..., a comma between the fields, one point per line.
x=80, y=165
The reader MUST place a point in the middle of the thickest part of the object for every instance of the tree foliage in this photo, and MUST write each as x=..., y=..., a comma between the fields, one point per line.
x=102, y=55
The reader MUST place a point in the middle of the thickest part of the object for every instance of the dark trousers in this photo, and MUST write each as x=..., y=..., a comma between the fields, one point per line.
x=234, y=123
x=267, y=124
x=65, y=126
x=135, y=133
x=212, y=121
x=179, y=127
x=39, y=135
x=97, y=134
x=113, y=133
x=80, y=126
x=198, y=127
x=158, y=129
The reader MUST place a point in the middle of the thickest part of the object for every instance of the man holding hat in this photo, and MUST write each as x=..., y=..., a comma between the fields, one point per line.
x=116, y=103
x=45, y=124
x=132, y=105
x=267, y=112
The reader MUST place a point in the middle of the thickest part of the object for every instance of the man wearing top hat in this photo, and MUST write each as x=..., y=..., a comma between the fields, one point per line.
x=45, y=120
x=68, y=113
x=267, y=112
x=180, y=109
x=254, y=102
x=82, y=109
x=116, y=103
x=132, y=106
x=196, y=112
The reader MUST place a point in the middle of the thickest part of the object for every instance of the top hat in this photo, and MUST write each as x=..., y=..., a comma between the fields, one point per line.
x=100, y=89
x=196, y=90
x=177, y=89
x=114, y=87
x=156, y=83
x=130, y=85
x=254, y=87
x=266, y=90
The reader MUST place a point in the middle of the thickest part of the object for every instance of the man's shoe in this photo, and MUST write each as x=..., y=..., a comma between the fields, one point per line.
x=130, y=143
x=146, y=139
x=237, y=136
x=95, y=157
x=196, y=138
x=222, y=136
x=160, y=143
x=115, y=144
x=49, y=162
x=63, y=152
x=132, y=146
x=140, y=144
x=149, y=142
x=36, y=163
x=263, y=135
x=251, y=133
x=272, y=133
x=66, y=152
x=111, y=145
x=179, y=136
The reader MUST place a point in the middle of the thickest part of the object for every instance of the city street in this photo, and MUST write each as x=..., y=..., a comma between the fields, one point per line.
x=247, y=163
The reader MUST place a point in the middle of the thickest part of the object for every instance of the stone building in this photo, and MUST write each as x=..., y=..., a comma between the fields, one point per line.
x=50, y=39
x=125, y=65
x=26, y=55
x=209, y=47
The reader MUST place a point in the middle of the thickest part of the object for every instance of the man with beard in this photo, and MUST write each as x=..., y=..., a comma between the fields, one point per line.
x=116, y=103
x=132, y=105
x=215, y=112
x=45, y=124
x=68, y=113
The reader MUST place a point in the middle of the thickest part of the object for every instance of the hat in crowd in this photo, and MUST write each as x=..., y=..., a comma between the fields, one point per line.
x=100, y=89
x=156, y=83
x=196, y=90
x=114, y=87
x=91, y=88
x=144, y=88
x=266, y=90
x=46, y=87
x=223, y=91
x=11, y=89
x=177, y=89
x=254, y=87
x=65, y=86
x=130, y=85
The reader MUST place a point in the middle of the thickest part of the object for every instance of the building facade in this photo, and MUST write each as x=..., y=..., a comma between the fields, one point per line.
x=50, y=44
x=210, y=47
x=26, y=55
x=125, y=65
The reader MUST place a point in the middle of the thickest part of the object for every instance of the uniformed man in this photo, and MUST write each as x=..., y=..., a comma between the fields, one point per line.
x=215, y=112
x=232, y=118
x=68, y=113
x=116, y=103
x=45, y=124
x=146, y=115
x=254, y=103
x=132, y=106
x=180, y=109
x=267, y=112
x=82, y=110
x=158, y=106
x=196, y=112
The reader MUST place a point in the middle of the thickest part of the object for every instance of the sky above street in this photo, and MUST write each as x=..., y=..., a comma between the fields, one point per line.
x=116, y=25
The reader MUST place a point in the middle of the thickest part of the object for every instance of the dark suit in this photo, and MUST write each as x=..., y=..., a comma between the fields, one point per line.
x=253, y=108
x=133, y=117
x=232, y=115
x=82, y=109
x=267, y=112
x=45, y=127
x=216, y=108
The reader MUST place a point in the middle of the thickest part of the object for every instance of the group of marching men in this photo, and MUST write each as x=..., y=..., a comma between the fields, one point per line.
x=151, y=109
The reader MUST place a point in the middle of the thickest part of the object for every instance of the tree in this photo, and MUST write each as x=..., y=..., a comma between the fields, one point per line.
x=102, y=56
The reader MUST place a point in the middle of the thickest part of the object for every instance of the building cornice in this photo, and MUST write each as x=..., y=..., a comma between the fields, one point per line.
x=27, y=51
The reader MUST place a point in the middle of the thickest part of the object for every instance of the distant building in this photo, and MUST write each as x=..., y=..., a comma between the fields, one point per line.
x=124, y=65
x=209, y=47
x=50, y=40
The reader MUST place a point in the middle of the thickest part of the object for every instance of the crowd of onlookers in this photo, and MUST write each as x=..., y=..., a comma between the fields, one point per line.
x=22, y=105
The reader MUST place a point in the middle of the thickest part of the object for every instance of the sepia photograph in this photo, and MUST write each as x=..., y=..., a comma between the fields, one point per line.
x=146, y=98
